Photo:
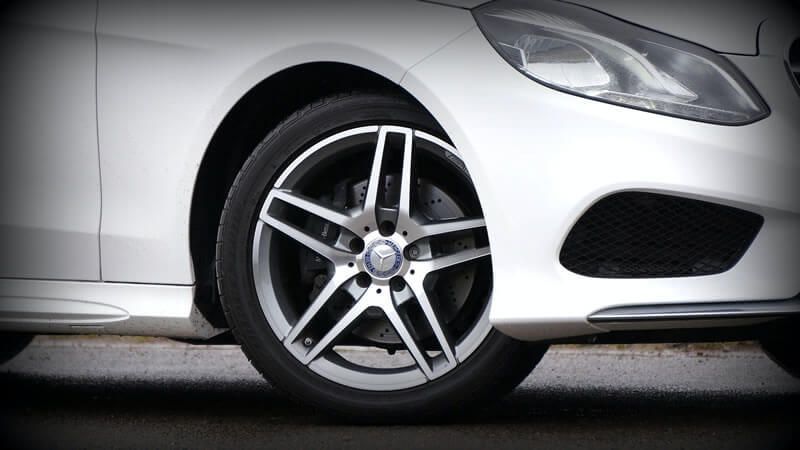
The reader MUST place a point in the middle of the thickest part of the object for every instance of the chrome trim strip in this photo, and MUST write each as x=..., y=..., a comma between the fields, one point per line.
x=698, y=311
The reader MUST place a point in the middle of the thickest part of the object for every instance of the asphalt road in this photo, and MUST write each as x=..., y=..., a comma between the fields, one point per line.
x=109, y=393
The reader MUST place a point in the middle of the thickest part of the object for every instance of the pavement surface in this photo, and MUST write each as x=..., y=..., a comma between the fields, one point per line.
x=144, y=393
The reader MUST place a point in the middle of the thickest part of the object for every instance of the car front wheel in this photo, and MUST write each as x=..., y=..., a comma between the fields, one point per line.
x=12, y=344
x=781, y=347
x=355, y=269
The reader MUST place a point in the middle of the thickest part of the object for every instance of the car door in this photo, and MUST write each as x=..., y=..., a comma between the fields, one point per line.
x=49, y=170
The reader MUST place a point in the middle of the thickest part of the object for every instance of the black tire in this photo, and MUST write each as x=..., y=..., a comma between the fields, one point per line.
x=781, y=348
x=495, y=368
x=12, y=345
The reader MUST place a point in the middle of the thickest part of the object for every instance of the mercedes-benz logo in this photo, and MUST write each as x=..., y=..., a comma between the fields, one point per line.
x=383, y=258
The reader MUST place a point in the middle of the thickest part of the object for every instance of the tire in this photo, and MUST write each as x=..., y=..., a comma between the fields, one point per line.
x=782, y=349
x=455, y=361
x=12, y=345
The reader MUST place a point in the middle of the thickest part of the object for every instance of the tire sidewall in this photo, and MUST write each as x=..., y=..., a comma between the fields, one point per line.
x=12, y=344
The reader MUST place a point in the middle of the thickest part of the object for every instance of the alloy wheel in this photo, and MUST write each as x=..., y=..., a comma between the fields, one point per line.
x=374, y=237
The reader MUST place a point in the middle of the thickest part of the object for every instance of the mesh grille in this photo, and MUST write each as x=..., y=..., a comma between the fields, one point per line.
x=645, y=235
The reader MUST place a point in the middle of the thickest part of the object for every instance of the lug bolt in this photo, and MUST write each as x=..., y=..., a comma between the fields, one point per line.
x=413, y=252
x=308, y=342
x=386, y=228
x=356, y=245
x=363, y=280
x=397, y=284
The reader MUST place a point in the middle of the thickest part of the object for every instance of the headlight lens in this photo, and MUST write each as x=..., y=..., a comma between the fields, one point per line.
x=585, y=52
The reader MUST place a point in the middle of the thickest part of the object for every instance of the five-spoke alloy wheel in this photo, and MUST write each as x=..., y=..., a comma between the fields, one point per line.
x=355, y=226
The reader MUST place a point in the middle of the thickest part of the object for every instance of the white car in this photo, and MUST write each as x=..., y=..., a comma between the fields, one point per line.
x=451, y=184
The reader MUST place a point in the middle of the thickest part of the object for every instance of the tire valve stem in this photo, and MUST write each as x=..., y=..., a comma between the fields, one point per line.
x=308, y=342
x=413, y=252
x=391, y=351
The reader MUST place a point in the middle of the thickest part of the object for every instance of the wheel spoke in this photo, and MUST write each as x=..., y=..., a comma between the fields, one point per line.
x=445, y=227
x=435, y=323
x=313, y=309
x=343, y=325
x=319, y=247
x=411, y=345
x=454, y=259
x=374, y=183
x=312, y=207
x=406, y=186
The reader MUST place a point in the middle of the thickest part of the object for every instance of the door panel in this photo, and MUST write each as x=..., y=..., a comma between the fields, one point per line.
x=49, y=168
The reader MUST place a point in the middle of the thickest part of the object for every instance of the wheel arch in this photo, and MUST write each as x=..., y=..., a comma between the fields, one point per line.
x=245, y=124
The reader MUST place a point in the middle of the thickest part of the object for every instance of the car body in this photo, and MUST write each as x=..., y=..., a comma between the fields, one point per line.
x=124, y=122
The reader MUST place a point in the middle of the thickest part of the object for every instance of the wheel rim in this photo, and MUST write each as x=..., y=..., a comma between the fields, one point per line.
x=377, y=263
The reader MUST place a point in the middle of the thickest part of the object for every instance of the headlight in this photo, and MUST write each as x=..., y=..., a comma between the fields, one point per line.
x=585, y=52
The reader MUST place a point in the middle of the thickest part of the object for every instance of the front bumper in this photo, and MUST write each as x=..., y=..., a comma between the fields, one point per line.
x=539, y=158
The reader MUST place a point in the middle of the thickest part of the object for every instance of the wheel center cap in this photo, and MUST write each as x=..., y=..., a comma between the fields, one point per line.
x=383, y=258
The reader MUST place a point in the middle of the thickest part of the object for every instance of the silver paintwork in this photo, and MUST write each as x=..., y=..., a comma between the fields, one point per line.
x=108, y=308
x=558, y=186
x=50, y=184
x=379, y=296
x=433, y=52
x=726, y=26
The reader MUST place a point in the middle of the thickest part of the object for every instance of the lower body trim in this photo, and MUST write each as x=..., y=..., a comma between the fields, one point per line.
x=75, y=307
x=764, y=309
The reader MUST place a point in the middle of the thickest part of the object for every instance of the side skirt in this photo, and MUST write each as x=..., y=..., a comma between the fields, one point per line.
x=83, y=307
